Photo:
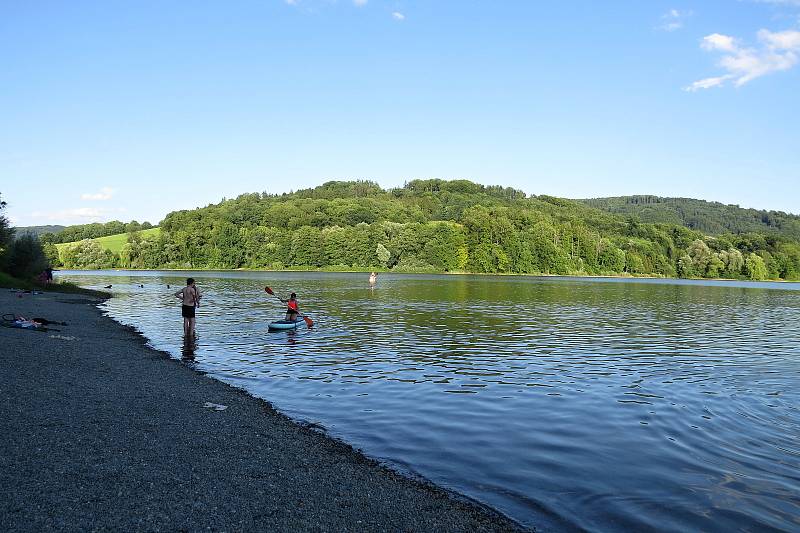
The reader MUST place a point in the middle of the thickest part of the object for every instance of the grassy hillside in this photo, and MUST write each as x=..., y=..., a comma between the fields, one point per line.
x=712, y=218
x=94, y=230
x=114, y=243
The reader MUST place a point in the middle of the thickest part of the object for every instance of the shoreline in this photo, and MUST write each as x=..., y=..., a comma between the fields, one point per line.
x=100, y=431
x=490, y=274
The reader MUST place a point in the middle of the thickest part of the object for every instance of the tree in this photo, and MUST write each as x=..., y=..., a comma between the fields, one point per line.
x=6, y=231
x=685, y=266
x=701, y=256
x=51, y=253
x=383, y=254
x=26, y=258
x=755, y=267
x=87, y=254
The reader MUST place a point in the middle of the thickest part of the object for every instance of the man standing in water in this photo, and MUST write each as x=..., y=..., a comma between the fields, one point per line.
x=373, y=279
x=190, y=298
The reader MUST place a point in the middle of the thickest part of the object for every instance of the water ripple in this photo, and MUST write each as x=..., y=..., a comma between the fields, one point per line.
x=598, y=404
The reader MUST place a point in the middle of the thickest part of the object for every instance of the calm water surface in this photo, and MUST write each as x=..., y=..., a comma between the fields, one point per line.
x=606, y=405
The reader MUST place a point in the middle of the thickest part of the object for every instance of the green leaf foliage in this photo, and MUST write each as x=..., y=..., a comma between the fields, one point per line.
x=444, y=226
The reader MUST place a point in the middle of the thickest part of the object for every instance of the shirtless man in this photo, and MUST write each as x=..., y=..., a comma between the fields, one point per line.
x=190, y=298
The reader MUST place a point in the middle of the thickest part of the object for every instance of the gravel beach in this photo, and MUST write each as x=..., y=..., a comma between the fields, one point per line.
x=100, y=432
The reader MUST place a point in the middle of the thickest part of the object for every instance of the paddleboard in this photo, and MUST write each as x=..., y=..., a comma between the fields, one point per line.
x=286, y=324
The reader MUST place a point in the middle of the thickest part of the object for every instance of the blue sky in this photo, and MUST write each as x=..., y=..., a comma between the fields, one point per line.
x=128, y=110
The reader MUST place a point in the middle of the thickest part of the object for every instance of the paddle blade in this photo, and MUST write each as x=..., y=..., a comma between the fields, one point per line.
x=269, y=291
x=309, y=322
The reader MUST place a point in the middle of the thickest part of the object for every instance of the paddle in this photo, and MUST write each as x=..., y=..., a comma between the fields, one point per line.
x=308, y=321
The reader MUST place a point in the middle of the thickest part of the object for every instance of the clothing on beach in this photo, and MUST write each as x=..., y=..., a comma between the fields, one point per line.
x=187, y=311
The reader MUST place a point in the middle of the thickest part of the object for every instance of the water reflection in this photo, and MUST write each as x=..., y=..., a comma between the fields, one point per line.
x=603, y=405
x=189, y=348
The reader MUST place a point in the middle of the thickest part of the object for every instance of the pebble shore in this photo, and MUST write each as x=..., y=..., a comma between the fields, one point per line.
x=98, y=432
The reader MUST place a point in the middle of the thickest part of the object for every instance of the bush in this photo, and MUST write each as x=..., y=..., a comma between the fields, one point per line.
x=25, y=258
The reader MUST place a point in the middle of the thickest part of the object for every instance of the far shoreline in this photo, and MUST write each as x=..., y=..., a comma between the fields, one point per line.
x=435, y=273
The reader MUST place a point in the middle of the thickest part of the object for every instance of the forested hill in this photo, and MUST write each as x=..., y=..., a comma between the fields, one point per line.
x=712, y=218
x=37, y=230
x=435, y=225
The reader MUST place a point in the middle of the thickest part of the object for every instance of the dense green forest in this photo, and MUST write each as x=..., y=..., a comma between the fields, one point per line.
x=435, y=225
x=712, y=218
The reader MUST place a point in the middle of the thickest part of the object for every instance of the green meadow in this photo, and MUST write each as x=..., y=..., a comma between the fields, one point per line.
x=114, y=243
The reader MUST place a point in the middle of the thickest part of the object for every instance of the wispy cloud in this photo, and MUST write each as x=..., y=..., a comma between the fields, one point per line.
x=87, y=214
x=359, y=3
x=780, y=2
x=776, y=52
x=396, y=15
x=674, y=20
x=106, y=193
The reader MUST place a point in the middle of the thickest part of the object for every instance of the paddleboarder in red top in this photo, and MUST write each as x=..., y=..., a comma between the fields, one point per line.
x=292, y=311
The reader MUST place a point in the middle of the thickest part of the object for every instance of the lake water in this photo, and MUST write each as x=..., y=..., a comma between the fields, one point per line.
x=605, y=405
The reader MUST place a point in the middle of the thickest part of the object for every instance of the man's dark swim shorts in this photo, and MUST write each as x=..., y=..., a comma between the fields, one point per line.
x=187, y=311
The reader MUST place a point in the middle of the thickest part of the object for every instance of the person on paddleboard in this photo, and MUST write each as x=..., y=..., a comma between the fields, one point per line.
x=292, y=310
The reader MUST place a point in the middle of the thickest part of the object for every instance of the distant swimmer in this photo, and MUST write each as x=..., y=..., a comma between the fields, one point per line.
x=373, y=279
x=168, y=285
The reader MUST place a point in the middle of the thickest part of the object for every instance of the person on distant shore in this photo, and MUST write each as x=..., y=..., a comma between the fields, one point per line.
x=373, y=279
x=292, y=310
x=190, y=298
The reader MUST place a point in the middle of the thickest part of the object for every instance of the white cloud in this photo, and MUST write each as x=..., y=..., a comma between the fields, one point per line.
x=717, y=41
x=359, y=3
x=777, y=51
x=105, y=194
x=291, y=2
x=87, y=214
x=708, y=83
x=398, y=16
x=674, y=20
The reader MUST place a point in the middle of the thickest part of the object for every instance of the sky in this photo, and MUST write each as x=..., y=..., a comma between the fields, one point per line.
x=128, y=110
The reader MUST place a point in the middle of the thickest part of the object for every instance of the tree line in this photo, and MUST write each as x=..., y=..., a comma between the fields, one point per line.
x=712, y=218
x=92, y=231
x=436, y=226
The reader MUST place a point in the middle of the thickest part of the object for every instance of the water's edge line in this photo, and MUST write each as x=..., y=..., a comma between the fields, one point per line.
x=312, y=426
x=575, y=276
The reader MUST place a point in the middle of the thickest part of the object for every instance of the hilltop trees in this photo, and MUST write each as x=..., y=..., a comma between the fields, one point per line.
x=436, y=225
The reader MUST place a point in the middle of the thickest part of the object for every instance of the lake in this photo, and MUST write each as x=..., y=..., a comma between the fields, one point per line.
x=596, y=404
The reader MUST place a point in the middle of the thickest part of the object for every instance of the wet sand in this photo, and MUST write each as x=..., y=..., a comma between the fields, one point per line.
x=100, y=432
